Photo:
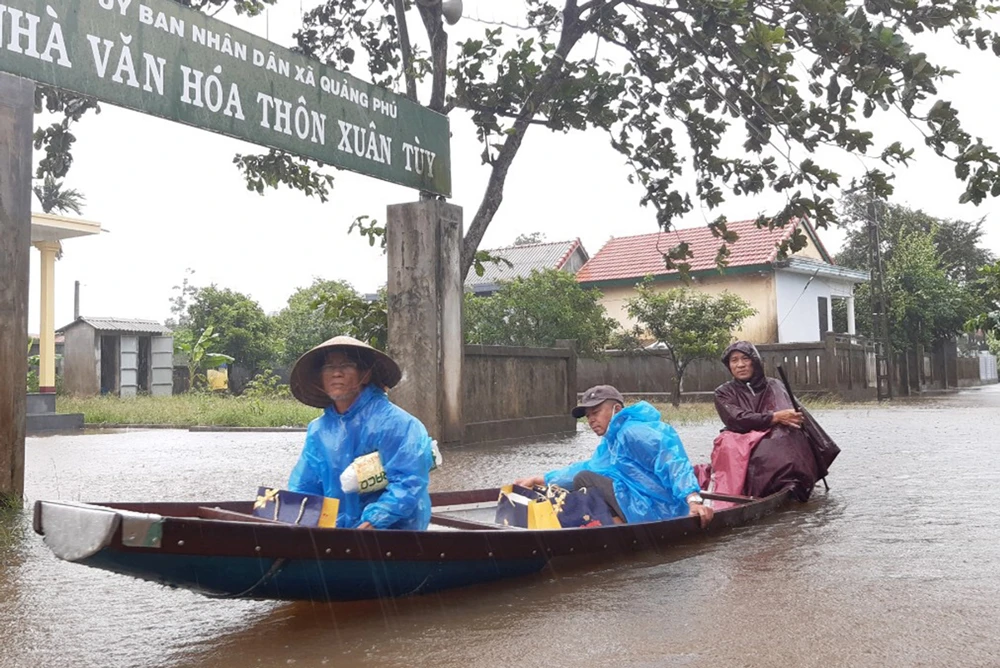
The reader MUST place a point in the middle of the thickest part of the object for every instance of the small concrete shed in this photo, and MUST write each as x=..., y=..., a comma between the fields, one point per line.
x=118, y=356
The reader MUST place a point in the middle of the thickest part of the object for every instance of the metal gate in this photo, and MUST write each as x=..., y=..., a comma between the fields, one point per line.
x=129, y=366
x=162, y=367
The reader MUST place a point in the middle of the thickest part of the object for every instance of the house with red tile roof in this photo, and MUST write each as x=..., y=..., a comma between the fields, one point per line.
x=793, y=296
x=567, y=256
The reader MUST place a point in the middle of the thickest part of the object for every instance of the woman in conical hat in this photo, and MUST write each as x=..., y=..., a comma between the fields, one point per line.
x=348, y=379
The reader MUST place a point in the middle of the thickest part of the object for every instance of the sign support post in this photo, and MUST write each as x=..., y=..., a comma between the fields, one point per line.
x=17, y=108
x=424, y=246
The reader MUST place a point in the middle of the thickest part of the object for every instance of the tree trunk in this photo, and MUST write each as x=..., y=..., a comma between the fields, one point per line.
x=675, y=398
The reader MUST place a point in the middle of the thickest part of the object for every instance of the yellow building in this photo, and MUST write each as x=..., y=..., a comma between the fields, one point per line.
x=793, y=296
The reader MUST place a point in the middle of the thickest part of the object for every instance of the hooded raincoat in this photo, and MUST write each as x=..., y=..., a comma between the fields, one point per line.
x=335, y=440
x=646, y=461
x=784, y=456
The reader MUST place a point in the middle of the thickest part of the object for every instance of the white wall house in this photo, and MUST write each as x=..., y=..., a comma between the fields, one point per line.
x=792, y=297
x=805, y=290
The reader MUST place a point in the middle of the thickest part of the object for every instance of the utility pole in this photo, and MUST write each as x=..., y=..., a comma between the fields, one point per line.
x=880, y=310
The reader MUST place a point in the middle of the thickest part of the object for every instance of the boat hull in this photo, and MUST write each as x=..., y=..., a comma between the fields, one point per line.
x=305, y=580
x=170, y=544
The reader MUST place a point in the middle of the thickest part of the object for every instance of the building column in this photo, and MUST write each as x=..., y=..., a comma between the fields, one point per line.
x=47, y=317
x=850, y=316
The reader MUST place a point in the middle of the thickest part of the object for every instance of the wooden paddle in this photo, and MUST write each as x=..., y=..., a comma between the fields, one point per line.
x=798, y=407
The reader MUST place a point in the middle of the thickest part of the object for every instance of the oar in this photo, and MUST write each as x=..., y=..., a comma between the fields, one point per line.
x=798, y=407
x=731, y=498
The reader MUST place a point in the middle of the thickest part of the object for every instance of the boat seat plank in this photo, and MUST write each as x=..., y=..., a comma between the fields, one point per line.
x=206, y=513
x=471, y=525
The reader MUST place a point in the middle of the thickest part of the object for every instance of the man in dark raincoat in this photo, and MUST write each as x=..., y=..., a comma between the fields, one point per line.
x=787, y=448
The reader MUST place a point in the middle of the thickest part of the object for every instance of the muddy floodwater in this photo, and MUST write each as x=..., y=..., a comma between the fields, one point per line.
x=897, y=565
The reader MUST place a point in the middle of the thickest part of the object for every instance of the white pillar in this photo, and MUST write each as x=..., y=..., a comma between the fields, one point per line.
x=47, y=316
x=850, y=316
x=829, y=314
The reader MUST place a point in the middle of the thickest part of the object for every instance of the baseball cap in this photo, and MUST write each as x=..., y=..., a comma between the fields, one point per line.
x=596, y=395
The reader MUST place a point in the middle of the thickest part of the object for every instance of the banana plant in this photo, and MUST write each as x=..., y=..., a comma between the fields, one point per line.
x=199, y=357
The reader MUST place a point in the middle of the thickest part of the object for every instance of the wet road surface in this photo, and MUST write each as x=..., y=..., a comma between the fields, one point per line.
x=898, y=565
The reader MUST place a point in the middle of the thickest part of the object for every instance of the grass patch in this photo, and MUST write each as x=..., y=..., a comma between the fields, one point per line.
x=190, y=410
x=12, y=529
x=10, y=503
x=687, y=413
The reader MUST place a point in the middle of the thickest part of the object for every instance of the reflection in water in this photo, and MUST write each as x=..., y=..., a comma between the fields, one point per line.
x=894, y=566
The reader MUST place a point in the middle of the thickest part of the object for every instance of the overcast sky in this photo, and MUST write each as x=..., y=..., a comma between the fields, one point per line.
x=170, y=198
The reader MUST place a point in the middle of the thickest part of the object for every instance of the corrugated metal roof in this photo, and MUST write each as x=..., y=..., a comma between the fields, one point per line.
x=121, y=325
x=809, y=265
x=525, y=258
x=642, y=255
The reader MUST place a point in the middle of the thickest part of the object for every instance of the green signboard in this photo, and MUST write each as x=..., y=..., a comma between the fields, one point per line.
x=160, y=58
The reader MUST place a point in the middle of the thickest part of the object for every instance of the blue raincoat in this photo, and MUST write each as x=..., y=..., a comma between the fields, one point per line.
x=645, y=459
x=334, y=440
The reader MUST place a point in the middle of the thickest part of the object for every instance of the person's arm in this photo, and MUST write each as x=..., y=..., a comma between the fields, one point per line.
x=672, y=466
x=533, y=481
x=735, y=417
x=785, y=412
x=307, y=476
x=788, y=417
x=405, y=451
x=661, y=449
x=564, y=476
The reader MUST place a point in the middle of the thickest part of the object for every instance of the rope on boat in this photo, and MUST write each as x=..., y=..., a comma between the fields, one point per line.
x=278, y=564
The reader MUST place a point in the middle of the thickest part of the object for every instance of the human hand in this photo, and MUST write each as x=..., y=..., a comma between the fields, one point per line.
x=365, y=525
x=788, y=417
x=538, y=480
x=702, y=512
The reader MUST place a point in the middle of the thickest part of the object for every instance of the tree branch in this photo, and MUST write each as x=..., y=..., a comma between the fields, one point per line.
x=503, y=113
x=404, y=47
x=572, y=30
x=431, y=16
x=653, y=9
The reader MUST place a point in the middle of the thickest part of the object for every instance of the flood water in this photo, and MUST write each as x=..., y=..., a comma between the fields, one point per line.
x=897, y=565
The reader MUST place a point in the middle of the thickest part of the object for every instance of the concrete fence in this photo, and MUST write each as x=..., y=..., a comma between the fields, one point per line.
x=842, y=366
x=831, y=366
x=515, y=392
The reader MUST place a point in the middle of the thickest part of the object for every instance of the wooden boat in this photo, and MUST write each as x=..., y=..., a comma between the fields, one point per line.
x=220, y=550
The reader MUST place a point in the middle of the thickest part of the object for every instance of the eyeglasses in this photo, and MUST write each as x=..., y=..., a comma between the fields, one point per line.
x=342, y=368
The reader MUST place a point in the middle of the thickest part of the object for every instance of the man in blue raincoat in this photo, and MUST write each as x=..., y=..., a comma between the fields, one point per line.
x=639, y=466
x=348, y=379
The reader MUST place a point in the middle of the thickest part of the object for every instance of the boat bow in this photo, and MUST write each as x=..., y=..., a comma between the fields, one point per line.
x=75, y=531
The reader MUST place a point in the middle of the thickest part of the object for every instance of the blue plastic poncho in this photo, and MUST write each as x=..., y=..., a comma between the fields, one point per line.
x=334, y=440
x=644, y=457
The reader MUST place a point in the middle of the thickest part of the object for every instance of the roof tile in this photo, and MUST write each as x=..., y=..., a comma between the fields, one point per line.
x=638, y=256
x=525, y=258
